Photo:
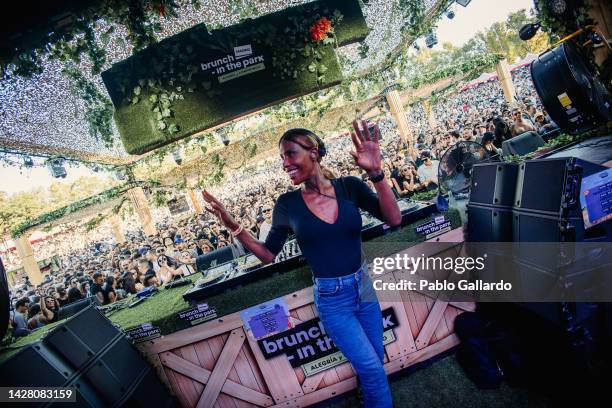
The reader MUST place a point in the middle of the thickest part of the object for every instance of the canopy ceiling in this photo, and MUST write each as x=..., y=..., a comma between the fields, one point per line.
x=41, y=114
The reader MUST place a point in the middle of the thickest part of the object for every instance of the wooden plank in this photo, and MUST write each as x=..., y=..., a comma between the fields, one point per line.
x=175, y=386
x=256, y=370
x=404, y=342
x=189, y=354
x=200, y=374
x=224, y=363
x=278, y=375
x=185, y=385
x=245, y=372
x=305, y=313
x=194, y=334
x=432, y=322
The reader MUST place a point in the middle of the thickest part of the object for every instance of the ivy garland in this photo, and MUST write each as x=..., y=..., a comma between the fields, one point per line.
x=71, y=208
x=140, y=17
x=462, y=68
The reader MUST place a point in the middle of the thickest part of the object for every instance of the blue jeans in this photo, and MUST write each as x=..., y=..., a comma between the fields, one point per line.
x=351, y=316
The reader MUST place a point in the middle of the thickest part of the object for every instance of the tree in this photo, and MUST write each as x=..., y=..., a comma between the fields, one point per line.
x=501, y=38
x=17, y=208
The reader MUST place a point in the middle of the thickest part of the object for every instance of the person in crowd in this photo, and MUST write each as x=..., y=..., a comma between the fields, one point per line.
x=266, y=224
x=85, y=288
x=493, y=153
x=543, y=125
x=96, y=288
x=151, y=280
x=74, y=294
x=428, y=171
x=502, y=132
x=167, y=272
x=327, y=206
x=520, y=125
x=109, y=293
x=18, y=318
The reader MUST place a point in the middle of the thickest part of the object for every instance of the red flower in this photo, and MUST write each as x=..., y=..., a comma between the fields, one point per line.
x=320, y=29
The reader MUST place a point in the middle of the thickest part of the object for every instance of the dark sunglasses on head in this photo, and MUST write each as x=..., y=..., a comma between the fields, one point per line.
x=267, y=210
x=160, y=250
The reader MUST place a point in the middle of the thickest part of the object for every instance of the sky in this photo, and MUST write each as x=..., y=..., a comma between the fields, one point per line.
x=477, y=16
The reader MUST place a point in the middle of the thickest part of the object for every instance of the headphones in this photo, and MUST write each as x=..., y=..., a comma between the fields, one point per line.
x=291, y=133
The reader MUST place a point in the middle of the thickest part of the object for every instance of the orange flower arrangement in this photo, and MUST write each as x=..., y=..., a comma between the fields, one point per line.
x=320, y=29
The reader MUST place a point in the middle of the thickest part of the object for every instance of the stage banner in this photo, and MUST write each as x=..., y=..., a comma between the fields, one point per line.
x=308, y=346
x=198, y=79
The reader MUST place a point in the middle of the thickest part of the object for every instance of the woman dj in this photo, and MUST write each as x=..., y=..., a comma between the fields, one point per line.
x=324, y=215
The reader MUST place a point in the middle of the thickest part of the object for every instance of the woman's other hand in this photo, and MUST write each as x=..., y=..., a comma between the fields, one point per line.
x=367, y=149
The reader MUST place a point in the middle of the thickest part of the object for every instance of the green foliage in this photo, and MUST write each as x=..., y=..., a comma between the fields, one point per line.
x=140, y=17
x=100, y=198
x=425, y=195
x=485, y=61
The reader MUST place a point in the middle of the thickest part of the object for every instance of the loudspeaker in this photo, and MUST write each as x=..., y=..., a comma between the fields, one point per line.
x=493, y=184
x=37, y=365
x=89, y=353
x=489, y=223
x=214, y=258
x=536, y=227
x=522, y=144
x=550, y=186
x=75, y=307
x=83, y=337
x=573, y=97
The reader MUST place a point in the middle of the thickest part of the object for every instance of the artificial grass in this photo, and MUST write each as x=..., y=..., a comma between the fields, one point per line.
x=162, y=309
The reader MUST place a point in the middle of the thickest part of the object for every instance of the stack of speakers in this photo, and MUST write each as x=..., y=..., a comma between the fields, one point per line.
x=90, y=354
x=534, y=201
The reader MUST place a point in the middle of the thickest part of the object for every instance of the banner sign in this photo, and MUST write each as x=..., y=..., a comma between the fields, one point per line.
x=198, y=79
x=266, y=319
x=437, y=226
x=308, y=342
x=198, y=314
x=144, y=332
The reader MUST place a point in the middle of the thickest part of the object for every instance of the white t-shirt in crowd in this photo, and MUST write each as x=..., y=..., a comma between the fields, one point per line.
x=428, y=172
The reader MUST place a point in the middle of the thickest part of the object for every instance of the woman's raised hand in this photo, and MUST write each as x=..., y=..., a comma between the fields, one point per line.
x=367, y=149
x=215, y=207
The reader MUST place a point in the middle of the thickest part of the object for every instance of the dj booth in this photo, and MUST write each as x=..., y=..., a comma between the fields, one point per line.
x=196, y=340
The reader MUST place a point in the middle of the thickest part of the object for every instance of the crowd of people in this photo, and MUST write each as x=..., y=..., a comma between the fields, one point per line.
x=110, y=271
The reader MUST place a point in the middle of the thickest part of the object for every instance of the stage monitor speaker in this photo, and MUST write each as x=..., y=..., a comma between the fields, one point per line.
x=37, y=365
x=522, y=144
x=214, y=258
x=4, y=301
x=90, y=354
x=573, y=97
x=550, y=185
x=536, y=227
x=493, y=184
x=73, y=308
x=82, y=337
x=489, y=223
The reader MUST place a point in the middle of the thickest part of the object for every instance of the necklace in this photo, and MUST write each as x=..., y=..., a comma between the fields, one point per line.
x=316, y=190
